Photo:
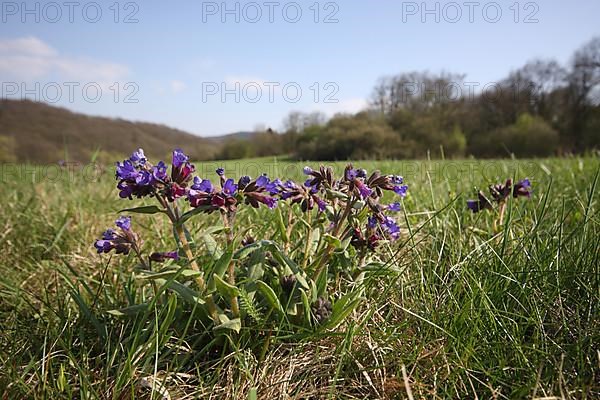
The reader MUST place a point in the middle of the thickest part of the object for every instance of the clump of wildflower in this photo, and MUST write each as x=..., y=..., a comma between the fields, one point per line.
x=499, y=194
x=351, y=205
x=354, y=187
x=344, y=202
x=121, y=240
x=482, y=203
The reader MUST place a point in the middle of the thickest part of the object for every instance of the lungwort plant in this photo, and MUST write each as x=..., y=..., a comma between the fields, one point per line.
x=500, y=193
x=310, y=277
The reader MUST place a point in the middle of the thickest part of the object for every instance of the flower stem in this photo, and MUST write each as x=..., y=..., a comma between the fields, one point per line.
x=146, y=266
x=190, y=256
x=501, y=217
x=308, y=238
x=330, y=247
x=290, y=227
x=179, y=230
x=228, y=222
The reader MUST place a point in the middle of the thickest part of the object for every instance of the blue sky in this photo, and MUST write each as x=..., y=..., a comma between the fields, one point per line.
x=178, y=57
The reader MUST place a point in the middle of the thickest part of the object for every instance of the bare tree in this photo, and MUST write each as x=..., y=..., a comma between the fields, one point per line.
x=293, y=122
x=297, y=121
x=416, y=91
x=584, y=84
x=536, y=84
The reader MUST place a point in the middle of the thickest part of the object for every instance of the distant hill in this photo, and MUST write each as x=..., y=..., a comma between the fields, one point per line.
x=243, y=135
x=39, y=133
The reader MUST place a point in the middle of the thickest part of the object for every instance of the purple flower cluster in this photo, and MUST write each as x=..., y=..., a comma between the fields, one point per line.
x=355, y=186
x=371, y=189
x=499, y=193
x=320, y=190
x=226, y=197
x=137, y=177
x=342, y=200
x=121, y=240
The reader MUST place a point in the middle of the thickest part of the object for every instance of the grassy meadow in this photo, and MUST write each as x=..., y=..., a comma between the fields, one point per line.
x=465, y=309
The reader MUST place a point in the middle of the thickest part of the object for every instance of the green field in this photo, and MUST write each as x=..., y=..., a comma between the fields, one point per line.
x=463, y=311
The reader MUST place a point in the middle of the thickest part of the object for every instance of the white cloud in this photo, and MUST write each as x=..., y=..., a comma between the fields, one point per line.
x=177, y=86
x=29, y=58
x=26, y=46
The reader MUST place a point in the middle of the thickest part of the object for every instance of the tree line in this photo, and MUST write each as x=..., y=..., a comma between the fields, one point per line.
x=540, y=109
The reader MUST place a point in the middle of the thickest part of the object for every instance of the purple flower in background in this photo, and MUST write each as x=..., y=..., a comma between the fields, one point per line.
x=220, y=171
x=203, y=185
x=473, y=205
x=395, y=207
x=124, y=223
x=229, y=188
x=307, y=170
x=162, y=257
x=401, y=190
x=482, y=203
x=138, y=157
x=500, y=192
x=522, y=188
